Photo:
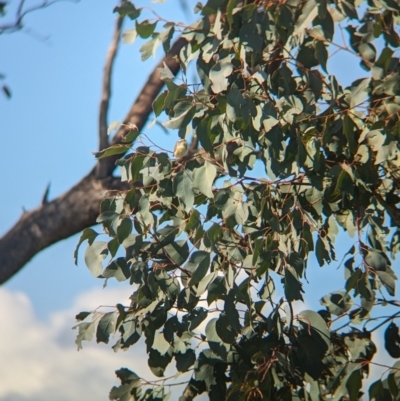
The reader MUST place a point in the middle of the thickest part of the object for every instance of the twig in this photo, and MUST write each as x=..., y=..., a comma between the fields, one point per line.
x=20, y=14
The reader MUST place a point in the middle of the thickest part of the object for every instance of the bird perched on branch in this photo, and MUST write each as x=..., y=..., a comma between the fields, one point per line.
x=181, y=149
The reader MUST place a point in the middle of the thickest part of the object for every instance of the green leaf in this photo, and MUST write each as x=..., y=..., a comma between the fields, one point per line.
x=150, y=47
x=118, y=269
x=129, y=36
x=392, y=340
x=313, y=342
x=169, y=285
x=229, y=10
x=337, y=302
x=144, y=215
x=196, y=317
x=388, y=281
x=354, y=278
x=183, y=114
x=86, y=330
x=235, y=101
x=185, y=360
x=167, y=35
x=359, y=91
x=348, y=130
x=219, y=74
x=203, y=132
x=215, y=342
x=94, y=255
x=124, y=229
x=165, y=73
x=82, y=315
x=131, y=332
x=308, y=13
x=128, y=9
x=112, y=150
x=178, y=251
x=203, y=178
x=377, y=260
x=183, y=186
x=321, y=54
x=129, y=388
x=376, y=390
x=87, y=234
x=113, y=126
x=353, y=384
x=225, y=330
x=158, y=104
x=160, y=344
x=145, y=29
x=293, y=287
x=158, y=363
x=232, y=313
x=204, y=283
x=197, y=266
x=321, y=252
x=314, y=323
x=384, y=58
x=106, y=327
x=131, y=136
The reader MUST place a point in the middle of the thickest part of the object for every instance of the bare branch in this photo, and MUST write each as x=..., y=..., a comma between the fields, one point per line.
x=143, y=105
x=106, y=90
x=17, y=25
x=20, y=7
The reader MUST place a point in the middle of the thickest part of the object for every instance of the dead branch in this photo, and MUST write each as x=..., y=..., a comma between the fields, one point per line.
x=21, y=13
x=143, y=106
x=106, y=89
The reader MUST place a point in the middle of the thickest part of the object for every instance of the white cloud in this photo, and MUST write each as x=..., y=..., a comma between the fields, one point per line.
x=40, y=361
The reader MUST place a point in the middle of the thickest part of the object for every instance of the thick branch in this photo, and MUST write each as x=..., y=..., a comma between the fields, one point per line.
x=78, y=208
x=51, y=222
x=106, y=88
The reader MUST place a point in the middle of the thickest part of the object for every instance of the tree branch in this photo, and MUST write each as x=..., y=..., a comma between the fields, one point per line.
x=51, y=222
x=78, y=208
x=143, y=105
x=106, y=90
x=20, y=14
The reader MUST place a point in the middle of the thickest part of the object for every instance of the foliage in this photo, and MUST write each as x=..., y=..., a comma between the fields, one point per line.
x=205, y=242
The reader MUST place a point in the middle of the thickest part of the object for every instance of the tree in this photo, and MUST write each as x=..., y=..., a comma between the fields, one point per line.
x=282, y=160
x=206, y=241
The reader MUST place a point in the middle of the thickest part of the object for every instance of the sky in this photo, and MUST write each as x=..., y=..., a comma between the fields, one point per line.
x=48, y=131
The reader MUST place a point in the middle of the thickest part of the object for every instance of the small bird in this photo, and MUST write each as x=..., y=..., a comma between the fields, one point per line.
x=181, y=148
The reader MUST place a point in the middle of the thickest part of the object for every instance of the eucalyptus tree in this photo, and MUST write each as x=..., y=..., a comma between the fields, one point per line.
x=282, y=161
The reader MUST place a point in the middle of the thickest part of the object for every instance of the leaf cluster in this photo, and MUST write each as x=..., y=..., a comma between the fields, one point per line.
x=205, y=240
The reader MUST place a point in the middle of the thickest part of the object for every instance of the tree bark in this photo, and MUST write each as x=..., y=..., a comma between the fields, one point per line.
x=70, y=213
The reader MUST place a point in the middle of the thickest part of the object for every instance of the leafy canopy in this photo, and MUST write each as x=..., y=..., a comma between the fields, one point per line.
x=283, y=159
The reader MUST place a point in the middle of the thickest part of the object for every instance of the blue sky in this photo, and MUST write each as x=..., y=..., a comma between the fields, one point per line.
x=48, y=132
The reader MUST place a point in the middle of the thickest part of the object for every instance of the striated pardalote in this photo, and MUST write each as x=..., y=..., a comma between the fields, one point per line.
x=181, y=149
